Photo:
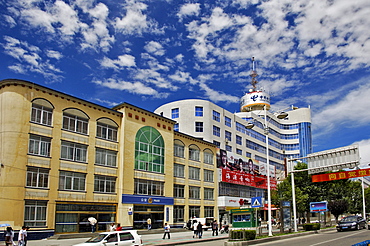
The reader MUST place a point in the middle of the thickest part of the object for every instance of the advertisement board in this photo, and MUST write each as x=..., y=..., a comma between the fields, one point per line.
x=318, y=207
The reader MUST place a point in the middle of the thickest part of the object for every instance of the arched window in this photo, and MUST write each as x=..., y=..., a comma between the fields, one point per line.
x=179, y=148
x=208, y=156
x=194, y=153
x=42, y=112
x=106, y=129
x=75, y=120
x=149, y=150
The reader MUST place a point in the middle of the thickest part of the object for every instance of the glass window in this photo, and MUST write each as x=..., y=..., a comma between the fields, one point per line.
x=227, y=121
x=179, y=191
x=39, y=145
x=194, y=173
x=175, y=113
x=228, y=148
x=194, y=153
x=105, y=157
x=179, y=170
x=179, y=149
x=41, y=114
x=75, y=123
x=37, y=177
x=208, y=194
x=208, y=175
x=106, y=131
x=209, y=211
x=228, y=135
x=35, y=213
x=198, y=126
x=217, y=143
x=194, y=211
x=239, y=151
x=149, y=150
x=216, y=116
x=239, y=140
x=199, y=111
x=178, y=213
x=149, y=187
x=176, y=127
x=72, y=181
x=105, y=184
x=216, y=131
x=194, y=192
x=208, y=157
x=73, y=151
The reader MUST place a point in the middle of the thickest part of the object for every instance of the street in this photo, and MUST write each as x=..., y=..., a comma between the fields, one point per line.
x=324, y=238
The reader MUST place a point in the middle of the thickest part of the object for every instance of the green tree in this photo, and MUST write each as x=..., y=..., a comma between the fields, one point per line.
x=337, y=207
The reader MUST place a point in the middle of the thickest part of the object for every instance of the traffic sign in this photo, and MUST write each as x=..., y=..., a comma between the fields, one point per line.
x=256, y=202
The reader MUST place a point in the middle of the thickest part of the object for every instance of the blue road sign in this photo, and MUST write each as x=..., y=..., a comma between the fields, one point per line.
x=256, y=202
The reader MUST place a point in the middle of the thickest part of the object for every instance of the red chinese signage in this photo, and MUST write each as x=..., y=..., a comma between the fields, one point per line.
x=247, y=179
x=341, y=175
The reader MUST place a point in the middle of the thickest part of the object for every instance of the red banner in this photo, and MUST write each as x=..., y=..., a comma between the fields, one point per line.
x=241, y=178
x=341, y=175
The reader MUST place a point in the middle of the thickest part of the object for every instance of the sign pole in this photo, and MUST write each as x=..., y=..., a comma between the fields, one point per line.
x=294, y=204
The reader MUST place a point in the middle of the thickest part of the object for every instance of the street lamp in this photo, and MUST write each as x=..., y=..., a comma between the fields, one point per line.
x=279, y=115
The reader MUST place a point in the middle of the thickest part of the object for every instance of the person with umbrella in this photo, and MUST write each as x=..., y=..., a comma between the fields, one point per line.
x=9, y=235
x=93, y=222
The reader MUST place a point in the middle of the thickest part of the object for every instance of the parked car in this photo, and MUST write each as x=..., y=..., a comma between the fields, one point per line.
x=353, y=222
x=120, y=238
x=368, y=224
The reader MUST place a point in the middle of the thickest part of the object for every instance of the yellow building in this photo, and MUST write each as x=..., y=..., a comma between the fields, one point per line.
x=64, y=160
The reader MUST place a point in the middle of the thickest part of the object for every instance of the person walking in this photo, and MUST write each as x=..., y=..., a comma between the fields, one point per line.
x=9, y=236
x=200, y=229
x=166, y=231
x=149, y=222
x=112, y=227
x=195, y=228
x=214, y=228
x=22, y=236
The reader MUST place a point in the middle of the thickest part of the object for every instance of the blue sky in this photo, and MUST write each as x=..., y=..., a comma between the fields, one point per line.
x=148, y=53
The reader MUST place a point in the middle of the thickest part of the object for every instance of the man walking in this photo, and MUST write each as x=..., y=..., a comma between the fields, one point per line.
x=214, y=228
x=149, y=222
x=166, y=231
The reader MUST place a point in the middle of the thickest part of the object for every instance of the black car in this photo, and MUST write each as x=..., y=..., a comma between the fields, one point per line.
x=353, y=222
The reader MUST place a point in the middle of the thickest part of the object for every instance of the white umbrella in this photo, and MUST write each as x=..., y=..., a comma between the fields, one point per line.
x=92, y=220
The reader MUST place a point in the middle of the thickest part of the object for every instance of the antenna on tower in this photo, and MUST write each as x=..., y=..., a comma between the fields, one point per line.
x=254, y=75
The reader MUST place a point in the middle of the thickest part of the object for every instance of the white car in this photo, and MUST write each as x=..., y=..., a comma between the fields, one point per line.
x=120, y=238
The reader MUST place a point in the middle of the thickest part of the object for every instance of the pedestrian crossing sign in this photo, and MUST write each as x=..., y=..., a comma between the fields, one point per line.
x=256, y=202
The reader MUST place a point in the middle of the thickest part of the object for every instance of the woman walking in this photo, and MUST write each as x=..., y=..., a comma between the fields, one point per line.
x=9, y=235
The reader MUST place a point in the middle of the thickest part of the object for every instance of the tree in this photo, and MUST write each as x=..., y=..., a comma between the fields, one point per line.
x=337, y=207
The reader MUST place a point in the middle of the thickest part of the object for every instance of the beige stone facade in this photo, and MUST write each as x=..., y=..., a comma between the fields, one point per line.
x=64, y=159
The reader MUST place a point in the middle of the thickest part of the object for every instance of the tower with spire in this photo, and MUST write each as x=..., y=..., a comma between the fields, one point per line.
x=255, y=99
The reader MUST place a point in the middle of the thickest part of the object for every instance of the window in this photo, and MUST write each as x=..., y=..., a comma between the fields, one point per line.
x=35, y=213
x=178, y=213
x=208, y=157
x=41, y=114
x=194, y=211
x=217, y=143
x=179, y=149
x=149, y=187
x=126, y=236
x=208, y=175
x=73, y=151
x=227, y=121
x=228, y=148
x=105, y=157
x=75, y=123
x=239, y=151
x=37, y=177
x=194, y=192
x=176, y=127
x=72, y=181
x=239, y=140
x=194, y=173
x=175, y=113
x=216, y=116
x=104, y=184
x=179, y=171
x=199, y=111
x=194, y=153
x=39, y=145
x=208, y=194
x=216, y=131
x=209, y=211
x=106, y=131
x=179, y=191
x=149, y=150
x=228, y=135
x=198, y=126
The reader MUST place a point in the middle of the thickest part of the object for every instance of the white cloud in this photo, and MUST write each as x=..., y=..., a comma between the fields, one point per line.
x=154, y=48
x=180, y=76
x=120, y=62
x=189, y=9
x=54, y=54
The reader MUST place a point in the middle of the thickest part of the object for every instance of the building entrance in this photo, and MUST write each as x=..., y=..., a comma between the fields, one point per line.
x=142, y=213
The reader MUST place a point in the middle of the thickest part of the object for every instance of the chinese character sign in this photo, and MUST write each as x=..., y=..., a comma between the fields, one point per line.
x=341, y=175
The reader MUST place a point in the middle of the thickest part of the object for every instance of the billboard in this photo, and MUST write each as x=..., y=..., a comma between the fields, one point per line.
x=334, y=159
x=318, y=207
x=341, y=175
x=242, y=170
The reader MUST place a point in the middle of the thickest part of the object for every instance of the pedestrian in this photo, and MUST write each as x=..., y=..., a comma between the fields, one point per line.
x=166, y=231
x=194, y=227
x=119, y=227
x=303, y=220
x=26, y=236
x=112, y=227
x=149, y=222
x=93, y=222
x=200, y=229
x=22, y=236
x=9, y=236
x=214, y=228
